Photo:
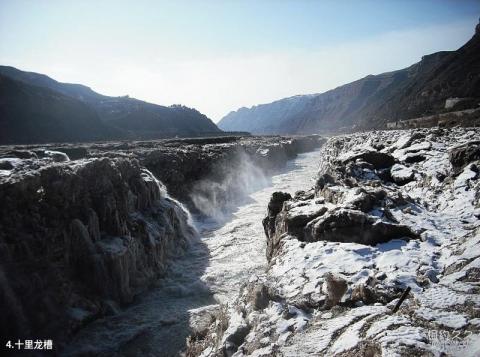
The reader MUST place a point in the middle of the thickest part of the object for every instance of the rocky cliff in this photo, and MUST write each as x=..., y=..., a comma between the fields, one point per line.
x=186, y=166
x=379, y=258
x=86, y=228
x=215, y=178
x=35, y=108
x=78, y=239
x=419, y=90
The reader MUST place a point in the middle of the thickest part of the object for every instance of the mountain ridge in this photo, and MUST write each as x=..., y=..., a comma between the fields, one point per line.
x=43, y=115
x=125, y=117
x=372, y=101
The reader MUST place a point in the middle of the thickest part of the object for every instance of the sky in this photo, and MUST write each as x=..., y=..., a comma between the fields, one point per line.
x=218, y=56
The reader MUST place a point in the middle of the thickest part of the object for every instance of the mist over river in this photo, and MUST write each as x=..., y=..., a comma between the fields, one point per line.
x=215, y=266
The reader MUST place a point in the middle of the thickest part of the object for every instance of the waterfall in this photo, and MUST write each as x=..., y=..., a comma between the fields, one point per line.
x=216, y=198
x=187, y=223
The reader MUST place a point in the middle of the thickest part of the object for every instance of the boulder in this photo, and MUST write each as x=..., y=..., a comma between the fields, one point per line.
x=415, y=148
x=407, y=139
x=202, y=318
x=235, y=338
x=293, y=221
x=352, y=226
x=413, y=158
x=461, y=156
x=377, y=159
x=364, y=293
x=57, y=156
x=365, y=200
x=259, y=296
x=6, y=164
x=274, y=207
x=401, y=174
x=334, y=288
x=323, y=180
x=276, y=202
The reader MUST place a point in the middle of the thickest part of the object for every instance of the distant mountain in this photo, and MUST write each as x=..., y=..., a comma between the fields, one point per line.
x=65, y=106
x=32, y=114
x=371, y=102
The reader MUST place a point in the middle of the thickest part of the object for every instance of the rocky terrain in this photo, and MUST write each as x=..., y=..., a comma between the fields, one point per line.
x=35, y=108
x=197, y=168
x=86, y=228
x=79, y=239
x=441, y=82
x=380, y=258
x=466, y=118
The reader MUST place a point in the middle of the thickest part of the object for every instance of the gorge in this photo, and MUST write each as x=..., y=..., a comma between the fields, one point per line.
x=345, y=223
x=83, y=238
x=285, y=253
x=391, y=213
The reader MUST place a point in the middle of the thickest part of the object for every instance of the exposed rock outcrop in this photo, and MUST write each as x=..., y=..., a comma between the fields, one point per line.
x=347, y=192
x=333, y=292
x=274, y=207
x=207, y=174
x=85, y=228
x=462, y=155
x=351, y=226
x=219, y=173
x=378, y=159
x=78, y=237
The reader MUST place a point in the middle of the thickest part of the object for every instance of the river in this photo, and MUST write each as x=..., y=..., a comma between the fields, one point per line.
x=212, y=270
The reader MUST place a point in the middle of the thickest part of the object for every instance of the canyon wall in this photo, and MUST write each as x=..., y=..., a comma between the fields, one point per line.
x=79, y=239
x=381, y=257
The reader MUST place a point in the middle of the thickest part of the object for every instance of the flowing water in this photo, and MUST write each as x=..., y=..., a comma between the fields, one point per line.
x=211, y=271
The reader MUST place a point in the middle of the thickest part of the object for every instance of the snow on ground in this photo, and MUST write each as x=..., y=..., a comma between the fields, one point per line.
x=441, y=265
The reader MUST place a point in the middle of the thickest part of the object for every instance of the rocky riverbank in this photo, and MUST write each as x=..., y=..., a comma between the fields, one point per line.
x=86, y=228
x=79, y=239
x=181, y=164
x=391, y=210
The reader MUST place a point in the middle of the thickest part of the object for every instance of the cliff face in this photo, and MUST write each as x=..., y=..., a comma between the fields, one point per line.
x=37, y=109
x=181, y=164
x=216, y=171
x=78, y=239
x=392, y=214
x=373, y=101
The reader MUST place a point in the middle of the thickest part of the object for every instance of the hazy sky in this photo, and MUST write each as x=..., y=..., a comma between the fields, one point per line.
x=218, y=55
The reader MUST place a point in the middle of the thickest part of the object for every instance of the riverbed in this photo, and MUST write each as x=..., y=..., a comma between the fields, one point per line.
x=226, y=254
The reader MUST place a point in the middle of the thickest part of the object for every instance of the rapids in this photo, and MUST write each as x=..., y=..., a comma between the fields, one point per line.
x=214, y=267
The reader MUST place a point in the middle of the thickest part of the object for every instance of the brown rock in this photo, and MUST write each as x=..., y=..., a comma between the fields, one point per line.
x=462, y=155
x=334, y=287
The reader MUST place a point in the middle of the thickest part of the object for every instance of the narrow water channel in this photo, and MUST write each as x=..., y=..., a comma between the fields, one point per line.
x=211, y=271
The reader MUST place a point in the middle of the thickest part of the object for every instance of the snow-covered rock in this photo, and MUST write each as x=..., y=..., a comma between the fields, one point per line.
x=403, y=217
x=401, y=174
